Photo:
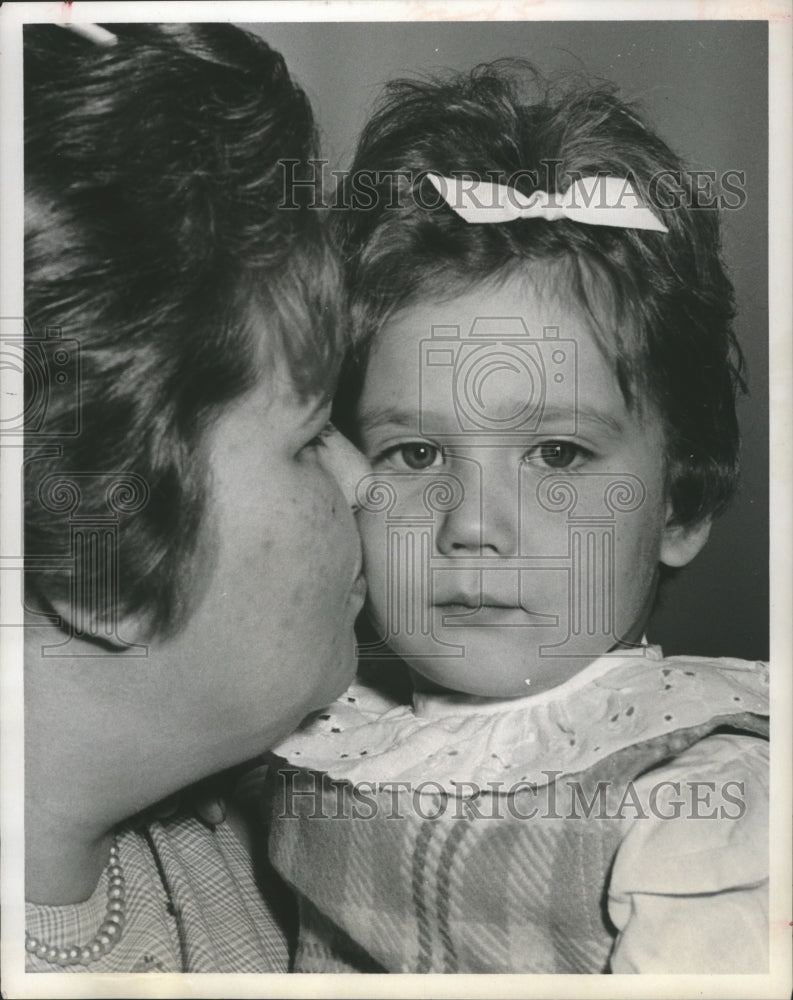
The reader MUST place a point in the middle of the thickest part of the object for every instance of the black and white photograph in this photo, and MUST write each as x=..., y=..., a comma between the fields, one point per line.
x=395, y=554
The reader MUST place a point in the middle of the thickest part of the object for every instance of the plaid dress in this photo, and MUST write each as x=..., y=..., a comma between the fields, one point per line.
x=591, y=871
x=192, y=905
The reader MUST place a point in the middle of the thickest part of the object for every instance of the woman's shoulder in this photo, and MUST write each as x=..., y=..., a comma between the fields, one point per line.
x=189, y=902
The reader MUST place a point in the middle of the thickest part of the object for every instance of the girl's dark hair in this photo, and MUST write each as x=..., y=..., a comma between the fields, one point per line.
x=154, y=239
x=661, y=304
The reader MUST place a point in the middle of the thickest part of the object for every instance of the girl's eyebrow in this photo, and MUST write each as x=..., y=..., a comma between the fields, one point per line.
x=378, y=415
x=586, y=414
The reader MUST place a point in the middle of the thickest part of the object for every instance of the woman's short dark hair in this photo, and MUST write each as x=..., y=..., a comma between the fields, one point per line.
x=154, y=239
x=661, y=304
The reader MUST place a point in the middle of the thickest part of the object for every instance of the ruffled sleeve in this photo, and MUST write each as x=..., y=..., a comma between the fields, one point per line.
x=689, y=887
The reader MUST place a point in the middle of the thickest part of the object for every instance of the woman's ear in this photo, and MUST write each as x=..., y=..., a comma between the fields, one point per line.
x=681, y=542
x=111, y=632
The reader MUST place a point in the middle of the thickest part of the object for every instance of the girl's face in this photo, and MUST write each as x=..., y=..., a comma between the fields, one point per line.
x=523, y=515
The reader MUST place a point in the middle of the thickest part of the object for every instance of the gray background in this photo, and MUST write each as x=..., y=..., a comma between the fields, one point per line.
x=704, y=87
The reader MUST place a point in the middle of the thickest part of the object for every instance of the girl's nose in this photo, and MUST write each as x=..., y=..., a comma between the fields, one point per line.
x=486, y=522
x=345, y=463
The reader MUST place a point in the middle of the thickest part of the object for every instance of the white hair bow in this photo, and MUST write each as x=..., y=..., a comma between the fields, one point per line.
x=595, y=201
x=93, y=32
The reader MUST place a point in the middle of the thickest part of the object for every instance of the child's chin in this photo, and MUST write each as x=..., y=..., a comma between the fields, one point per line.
x=429, y=682
x=488, y=680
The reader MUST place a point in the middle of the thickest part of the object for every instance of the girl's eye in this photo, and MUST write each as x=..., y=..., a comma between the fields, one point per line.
x=556, y=454
x=415, y=455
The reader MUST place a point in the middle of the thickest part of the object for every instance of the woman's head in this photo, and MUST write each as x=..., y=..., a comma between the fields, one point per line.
x=660, y=302
x=154, y=238
x=205, y=318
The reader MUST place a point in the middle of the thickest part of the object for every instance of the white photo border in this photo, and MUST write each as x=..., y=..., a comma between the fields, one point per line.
x=15, y=981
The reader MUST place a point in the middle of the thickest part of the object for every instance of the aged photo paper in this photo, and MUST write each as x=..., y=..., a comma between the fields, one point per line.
x=713, y=80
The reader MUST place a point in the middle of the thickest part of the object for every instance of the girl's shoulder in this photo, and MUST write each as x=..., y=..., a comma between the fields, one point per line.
x=689, y=885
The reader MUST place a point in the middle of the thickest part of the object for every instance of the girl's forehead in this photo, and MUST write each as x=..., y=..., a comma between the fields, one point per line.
x=574, y=294
x=526, y=333
x=574, y=286
x=534, y=304
x=469, y=338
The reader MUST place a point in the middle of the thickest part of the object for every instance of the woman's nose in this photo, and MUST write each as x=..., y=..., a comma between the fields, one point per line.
x=486, y=522
x=345, y=463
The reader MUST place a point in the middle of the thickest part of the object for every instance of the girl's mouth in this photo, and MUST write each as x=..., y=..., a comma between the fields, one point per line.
x=490, y=612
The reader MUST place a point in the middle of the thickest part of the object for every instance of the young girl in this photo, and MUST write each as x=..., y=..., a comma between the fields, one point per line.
x=545, y=384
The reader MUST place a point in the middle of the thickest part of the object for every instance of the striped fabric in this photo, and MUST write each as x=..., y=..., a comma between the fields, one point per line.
x=481, y=888
x=224, y=923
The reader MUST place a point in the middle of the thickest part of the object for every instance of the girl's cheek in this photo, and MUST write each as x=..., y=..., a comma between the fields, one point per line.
x=372, y=530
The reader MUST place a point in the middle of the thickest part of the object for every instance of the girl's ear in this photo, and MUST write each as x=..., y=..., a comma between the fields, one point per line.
x=681, y=542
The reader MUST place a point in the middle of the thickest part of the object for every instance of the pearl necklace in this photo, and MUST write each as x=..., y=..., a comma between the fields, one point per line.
x=107, y=935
